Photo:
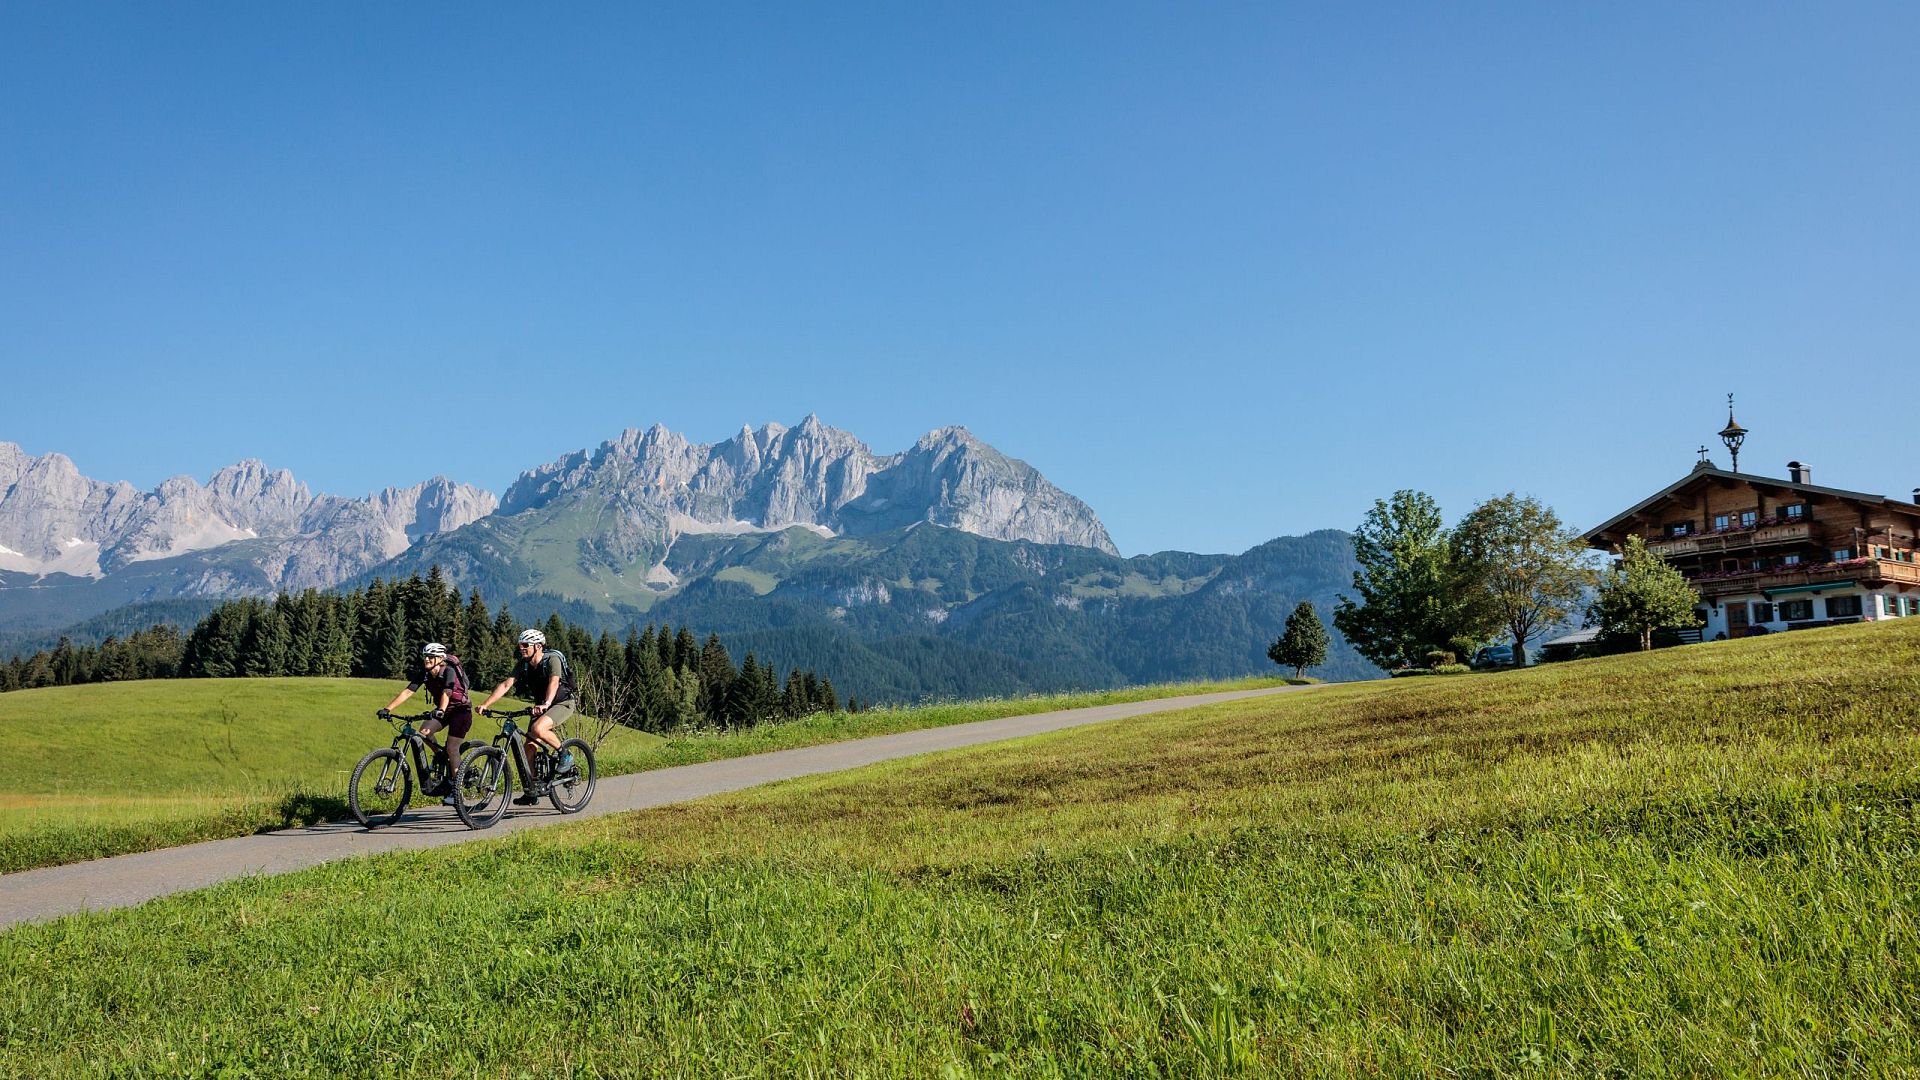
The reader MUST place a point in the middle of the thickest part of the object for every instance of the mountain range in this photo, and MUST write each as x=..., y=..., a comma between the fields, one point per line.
x=946, y=569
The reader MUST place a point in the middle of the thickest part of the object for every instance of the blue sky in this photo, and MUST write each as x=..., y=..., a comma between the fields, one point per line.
x=1226, y=272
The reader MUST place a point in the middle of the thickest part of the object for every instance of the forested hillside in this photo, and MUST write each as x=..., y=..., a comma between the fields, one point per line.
x=919, y=614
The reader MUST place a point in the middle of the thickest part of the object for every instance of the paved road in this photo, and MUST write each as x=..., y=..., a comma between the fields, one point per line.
x=125, y=880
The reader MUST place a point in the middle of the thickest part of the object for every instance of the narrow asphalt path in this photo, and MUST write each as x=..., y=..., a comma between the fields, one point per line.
x=125, y=880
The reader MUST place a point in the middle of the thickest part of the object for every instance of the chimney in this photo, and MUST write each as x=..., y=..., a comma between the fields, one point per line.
x=1799, y=472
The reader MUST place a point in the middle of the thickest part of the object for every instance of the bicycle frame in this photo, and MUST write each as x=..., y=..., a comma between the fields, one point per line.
x=519, y=746
x=419, y=747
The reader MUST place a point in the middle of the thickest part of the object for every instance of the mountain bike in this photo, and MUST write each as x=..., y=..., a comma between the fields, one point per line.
x=382, y=783
x=484, y=779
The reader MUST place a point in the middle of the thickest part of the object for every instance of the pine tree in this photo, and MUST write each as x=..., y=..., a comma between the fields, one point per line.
x=717, y=676
x=276, y=640
x=441, y=608
x=686, y=707
x=794, y=702
x=1303, y=644
x=828, y=700
x=39, y=671
x=396, y=653
x=336, y=656
x=497, y=659
x=373, y=611
x=476, y=632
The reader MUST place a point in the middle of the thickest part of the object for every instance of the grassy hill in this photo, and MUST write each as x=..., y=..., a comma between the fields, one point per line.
x=131, y=766
x=117, y=767
x=1702, y=861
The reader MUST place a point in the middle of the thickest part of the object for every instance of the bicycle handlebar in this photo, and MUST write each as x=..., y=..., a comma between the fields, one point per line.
x=396, y=718
x=499, y=715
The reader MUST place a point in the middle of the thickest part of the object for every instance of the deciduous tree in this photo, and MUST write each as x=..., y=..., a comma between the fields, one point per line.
x=1523, y=569
x=1642, y=593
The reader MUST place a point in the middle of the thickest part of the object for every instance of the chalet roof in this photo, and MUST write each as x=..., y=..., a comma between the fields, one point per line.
x=1700, y=475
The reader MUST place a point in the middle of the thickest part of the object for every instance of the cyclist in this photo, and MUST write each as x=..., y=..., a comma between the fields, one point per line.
x=537, y=676
x=446, y=683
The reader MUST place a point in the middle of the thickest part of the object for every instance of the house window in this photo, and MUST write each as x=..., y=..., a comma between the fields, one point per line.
x=1889, y=606
x=1762, y=613
x=1842, y=554
x=1795, y=512
x=1789, y=560
x=1796, y=610
x=1843, y=607
x=1679, y=528
x=1721, y=521
x=1748, y=518
x=1729, y=566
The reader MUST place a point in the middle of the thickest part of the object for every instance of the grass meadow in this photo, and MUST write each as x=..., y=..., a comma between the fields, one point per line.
x=1696, y=862
x=112, y=768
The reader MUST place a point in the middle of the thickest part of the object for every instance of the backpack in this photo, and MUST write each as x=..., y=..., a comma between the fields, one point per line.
x=457, y=682
x=567, y=688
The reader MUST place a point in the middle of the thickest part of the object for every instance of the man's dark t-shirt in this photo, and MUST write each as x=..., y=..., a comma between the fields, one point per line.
x=531, y=680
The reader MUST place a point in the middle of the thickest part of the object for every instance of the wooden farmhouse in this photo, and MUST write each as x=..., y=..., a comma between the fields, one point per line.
x=1767, y=555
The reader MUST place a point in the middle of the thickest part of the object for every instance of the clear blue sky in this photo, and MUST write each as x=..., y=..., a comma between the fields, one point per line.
x=1225, y=272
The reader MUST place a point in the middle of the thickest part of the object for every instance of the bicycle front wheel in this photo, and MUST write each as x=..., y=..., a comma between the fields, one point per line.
x=481, y=786
x=571, y=789
x=380, y=788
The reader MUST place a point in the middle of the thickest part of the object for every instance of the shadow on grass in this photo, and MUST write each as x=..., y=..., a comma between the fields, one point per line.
x=305, y=808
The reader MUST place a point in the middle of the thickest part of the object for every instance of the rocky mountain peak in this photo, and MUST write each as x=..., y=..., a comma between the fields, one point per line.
x=253, y=496
x=55, y=520
x=812, y=474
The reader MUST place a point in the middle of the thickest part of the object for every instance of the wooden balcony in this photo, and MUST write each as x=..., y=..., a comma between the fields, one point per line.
x=1797, y=532
x=1871, y=573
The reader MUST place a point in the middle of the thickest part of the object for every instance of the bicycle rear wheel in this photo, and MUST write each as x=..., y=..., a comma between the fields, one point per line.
x=481, y=786
x=381, y=785
x=570, y=790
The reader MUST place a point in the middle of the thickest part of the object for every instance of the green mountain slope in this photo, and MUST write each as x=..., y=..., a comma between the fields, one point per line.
x=914, y=613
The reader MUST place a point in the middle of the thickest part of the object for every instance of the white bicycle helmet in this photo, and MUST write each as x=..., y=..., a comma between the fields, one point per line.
x=532, y=637
x=432, y=649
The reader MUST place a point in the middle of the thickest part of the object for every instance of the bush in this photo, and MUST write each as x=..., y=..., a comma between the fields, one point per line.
x=1439, y=658
x=1442, y=669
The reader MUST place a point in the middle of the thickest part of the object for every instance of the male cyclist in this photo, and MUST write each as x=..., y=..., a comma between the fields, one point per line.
x=446, y=683
x=537, y=677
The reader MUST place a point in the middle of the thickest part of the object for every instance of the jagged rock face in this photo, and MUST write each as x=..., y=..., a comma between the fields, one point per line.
x=52, y=519
x=814, y=475
x=338, y=538
x=52, y=516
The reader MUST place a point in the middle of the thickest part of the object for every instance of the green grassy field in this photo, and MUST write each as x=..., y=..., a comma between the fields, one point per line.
x=122, y=767
x=118, y=767
x=1699, y=862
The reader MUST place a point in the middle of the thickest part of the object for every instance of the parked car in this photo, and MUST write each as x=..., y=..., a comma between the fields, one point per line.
x=1493, y=656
